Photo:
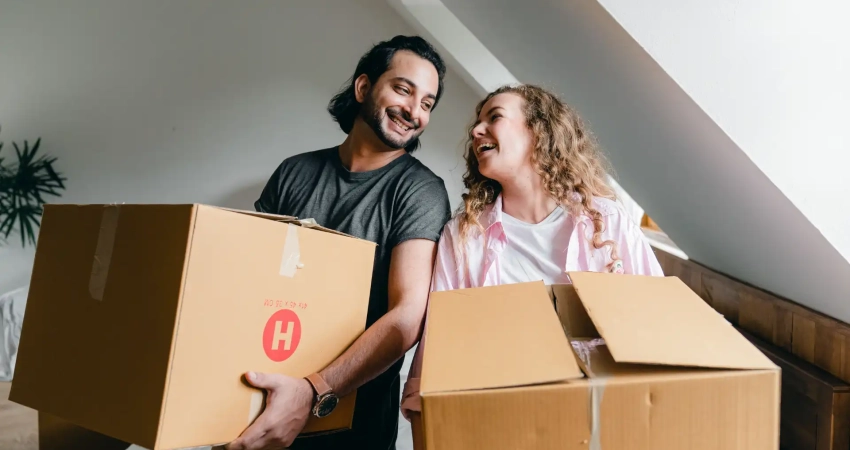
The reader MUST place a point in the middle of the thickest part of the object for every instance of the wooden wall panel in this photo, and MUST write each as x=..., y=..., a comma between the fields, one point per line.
x=803, y=338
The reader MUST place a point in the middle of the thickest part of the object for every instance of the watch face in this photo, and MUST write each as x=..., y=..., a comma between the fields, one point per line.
x=326, y=405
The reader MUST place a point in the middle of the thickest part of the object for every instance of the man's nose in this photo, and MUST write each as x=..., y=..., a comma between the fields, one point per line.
x=412, y=112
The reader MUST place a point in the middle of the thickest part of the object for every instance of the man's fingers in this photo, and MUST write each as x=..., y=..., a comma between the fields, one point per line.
x=262, y=380
x=235, y=445
x=255, y=432
x=263, y=426
x=268, y=442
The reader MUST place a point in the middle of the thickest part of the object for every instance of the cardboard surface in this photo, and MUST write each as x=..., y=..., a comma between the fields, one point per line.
x=78, y=356
x=232, y=249
x=659, y=320
x=532, y=417
x=571, y=312
x=193, y=297
x=668, y=402
x=494, y=337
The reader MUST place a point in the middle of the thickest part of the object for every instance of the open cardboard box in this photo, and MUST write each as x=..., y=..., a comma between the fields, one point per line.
x=620, y=362
x=142, y=319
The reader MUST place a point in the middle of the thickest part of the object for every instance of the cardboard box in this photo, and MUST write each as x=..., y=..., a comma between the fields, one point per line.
x=621, y=362
x=142, y=319
x=57, y=434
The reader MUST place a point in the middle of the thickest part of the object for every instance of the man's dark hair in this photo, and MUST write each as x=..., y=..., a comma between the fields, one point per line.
x=344, y=106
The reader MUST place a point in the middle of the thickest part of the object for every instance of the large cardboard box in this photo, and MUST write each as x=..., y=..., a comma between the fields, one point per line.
x=142, y=319
x=620, y=362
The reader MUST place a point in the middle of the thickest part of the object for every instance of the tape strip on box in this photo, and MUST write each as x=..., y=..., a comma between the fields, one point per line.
x=290, y=261
x=103, y=251
x=597, y=389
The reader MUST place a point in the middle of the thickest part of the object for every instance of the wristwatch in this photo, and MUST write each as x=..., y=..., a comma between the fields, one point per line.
x=326, y=400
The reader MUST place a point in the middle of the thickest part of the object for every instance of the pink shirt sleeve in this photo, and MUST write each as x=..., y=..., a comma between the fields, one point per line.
x=635, y=251
x=445, y=278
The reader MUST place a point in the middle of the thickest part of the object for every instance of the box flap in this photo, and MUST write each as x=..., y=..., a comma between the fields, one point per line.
x=659, y=320
x=493, y=337
x=308, y=223
x=571, y=312
x=275, y=217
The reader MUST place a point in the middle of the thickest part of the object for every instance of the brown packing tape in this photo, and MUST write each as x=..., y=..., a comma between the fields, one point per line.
x=103, y=251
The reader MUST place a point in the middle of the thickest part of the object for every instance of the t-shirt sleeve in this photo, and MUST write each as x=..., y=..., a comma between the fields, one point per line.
x=421, y=214
x=271, y=197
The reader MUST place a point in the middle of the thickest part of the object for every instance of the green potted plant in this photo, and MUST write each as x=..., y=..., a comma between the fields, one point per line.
x=24, y=184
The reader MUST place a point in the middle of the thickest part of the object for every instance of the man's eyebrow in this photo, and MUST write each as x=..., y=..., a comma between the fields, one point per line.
x=413, y=85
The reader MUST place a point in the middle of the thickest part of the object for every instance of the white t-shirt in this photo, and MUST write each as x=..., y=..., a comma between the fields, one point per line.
x=536, y=251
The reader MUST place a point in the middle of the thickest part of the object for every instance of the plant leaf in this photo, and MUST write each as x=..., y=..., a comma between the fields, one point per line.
x=24, y=185
x=8, y=223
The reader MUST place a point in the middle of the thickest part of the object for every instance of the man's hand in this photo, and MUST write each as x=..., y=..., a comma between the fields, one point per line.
x=287, y=409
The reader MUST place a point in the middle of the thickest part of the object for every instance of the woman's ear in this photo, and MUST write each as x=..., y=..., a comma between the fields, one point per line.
x=361, y=87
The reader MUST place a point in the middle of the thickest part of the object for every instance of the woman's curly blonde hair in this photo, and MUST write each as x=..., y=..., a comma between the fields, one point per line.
x=565, y=156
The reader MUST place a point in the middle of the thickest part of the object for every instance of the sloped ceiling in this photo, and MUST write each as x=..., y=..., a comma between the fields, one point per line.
x=670, y=156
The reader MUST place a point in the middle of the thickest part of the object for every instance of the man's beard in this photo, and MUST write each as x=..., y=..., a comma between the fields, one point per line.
x=373, y=117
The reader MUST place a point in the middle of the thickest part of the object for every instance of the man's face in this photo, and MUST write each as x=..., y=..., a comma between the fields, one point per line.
x=398, y=106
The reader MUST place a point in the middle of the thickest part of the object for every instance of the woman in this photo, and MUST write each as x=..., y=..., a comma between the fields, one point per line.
x=538, y=206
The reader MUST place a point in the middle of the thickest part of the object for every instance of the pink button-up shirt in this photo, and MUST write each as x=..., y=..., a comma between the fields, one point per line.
x=482, y=264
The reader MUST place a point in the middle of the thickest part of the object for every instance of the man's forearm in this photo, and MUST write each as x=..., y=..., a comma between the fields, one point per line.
x=373, y=352
x=417, y=431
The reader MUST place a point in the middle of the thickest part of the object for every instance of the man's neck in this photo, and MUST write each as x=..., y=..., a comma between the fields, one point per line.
x=362, y=151
x=526, y=198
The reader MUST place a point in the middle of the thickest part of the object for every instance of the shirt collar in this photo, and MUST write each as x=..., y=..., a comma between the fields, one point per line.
x=492, y=215
x=492, y=218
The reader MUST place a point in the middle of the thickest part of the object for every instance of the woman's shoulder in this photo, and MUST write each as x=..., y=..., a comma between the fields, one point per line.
x=617, y=219
x=452, y=227
x=608, y=207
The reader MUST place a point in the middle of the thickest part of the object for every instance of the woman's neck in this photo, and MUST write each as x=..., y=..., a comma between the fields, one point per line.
x=526, y=199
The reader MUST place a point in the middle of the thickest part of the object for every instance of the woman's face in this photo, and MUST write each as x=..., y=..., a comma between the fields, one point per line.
x=502, y=141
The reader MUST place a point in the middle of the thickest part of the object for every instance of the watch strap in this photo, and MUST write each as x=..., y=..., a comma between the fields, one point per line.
x=319, y=385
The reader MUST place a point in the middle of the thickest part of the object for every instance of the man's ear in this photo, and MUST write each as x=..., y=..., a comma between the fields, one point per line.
x=361, y=87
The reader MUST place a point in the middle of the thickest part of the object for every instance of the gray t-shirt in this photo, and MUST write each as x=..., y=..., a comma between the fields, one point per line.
x=400, y=201
x=390, y=205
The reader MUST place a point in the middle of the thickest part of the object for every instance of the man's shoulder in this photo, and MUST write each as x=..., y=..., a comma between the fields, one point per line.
x=418, y=174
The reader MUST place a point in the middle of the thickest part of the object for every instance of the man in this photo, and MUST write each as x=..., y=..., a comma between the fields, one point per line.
x=370, y=187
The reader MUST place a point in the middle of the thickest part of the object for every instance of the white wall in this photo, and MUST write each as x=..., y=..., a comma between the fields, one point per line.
x=774, y=75
x=190, y=101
